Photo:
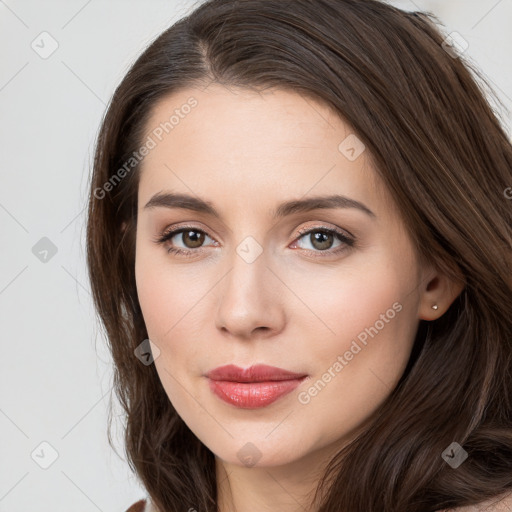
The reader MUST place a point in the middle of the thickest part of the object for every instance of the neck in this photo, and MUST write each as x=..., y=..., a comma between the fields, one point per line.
x=283, y=488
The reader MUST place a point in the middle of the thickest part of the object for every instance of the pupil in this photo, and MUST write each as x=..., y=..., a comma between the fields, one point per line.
x=321, y=238
x=197, y=238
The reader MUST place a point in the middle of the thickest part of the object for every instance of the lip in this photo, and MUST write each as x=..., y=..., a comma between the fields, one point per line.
x=253, y=387
x=256, y=373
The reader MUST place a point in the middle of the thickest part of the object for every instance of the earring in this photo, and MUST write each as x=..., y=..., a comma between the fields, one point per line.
x=434, y=306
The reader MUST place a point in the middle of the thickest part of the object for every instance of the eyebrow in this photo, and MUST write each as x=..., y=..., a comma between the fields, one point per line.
x=188, y=202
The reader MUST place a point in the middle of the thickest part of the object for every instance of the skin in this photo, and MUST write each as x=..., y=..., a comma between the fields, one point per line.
x=246, y=152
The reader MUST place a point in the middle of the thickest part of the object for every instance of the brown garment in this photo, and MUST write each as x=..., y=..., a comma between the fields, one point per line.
x=500, y=504
x=139, y=506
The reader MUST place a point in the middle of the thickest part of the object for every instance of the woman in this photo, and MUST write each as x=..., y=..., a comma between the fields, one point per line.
x=299, y=243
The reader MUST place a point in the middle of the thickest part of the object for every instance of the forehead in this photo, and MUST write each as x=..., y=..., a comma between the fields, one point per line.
x=229, y=143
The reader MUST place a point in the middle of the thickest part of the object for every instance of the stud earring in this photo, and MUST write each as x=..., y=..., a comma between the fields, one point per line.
x=434, y=306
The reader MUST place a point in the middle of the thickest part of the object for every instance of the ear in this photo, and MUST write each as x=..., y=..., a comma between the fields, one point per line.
x=438, y=289
x=123, y=227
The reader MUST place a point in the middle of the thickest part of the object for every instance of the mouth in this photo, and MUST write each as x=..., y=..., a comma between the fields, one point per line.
x=256, y=373
x=254, y=387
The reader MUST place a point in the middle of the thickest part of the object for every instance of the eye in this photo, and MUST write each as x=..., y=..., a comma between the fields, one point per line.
x=321, y=239
x=192, y=237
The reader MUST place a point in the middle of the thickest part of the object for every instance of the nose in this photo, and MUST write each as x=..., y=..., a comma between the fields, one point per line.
x=251, y=300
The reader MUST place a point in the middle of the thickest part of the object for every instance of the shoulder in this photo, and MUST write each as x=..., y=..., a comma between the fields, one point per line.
x=502, y=503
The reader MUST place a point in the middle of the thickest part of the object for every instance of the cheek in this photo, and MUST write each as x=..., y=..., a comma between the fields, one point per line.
x=172, y=299
x=367, y=317
x=170, y=308
x=149, y=288
x=355, y=368
x=342, y=304
x=173, y=313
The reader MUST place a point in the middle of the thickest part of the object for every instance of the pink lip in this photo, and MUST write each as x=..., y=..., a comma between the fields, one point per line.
x=254, y=387
x=256, y=373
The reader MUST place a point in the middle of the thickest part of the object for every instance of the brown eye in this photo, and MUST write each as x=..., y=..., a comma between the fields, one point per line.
x=186, y=241
x=321, y=240
x=192, y=238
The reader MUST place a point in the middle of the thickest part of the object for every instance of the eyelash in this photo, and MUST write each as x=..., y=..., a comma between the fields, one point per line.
x=349, y=242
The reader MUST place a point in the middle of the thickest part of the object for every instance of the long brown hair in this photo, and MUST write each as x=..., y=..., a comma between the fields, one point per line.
x=443, y=154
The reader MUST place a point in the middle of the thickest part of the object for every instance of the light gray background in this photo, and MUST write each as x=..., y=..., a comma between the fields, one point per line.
x=55, y=371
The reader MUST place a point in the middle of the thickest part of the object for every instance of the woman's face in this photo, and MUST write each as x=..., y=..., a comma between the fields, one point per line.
x=251, y=288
